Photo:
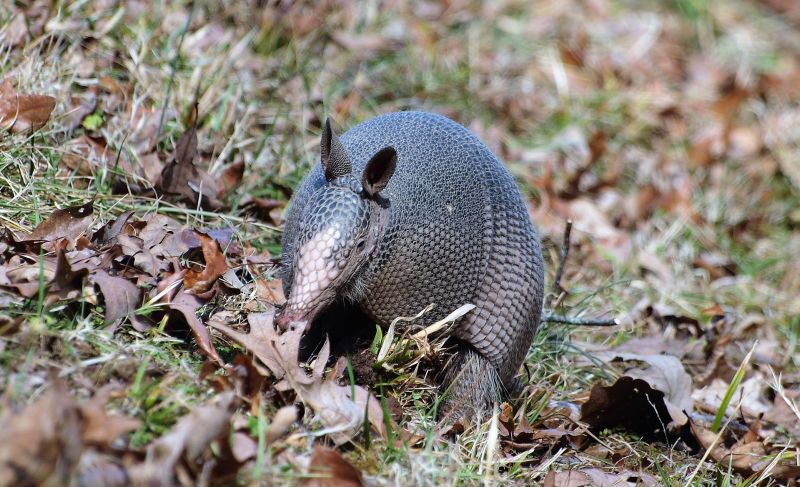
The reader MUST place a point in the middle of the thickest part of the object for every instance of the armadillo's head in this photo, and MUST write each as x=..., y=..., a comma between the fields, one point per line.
x=340, y=230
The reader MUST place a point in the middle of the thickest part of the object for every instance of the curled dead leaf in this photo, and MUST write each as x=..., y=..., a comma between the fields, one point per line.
x=663, y=372
x=20, y=113
x=66, y=223
x=188, y=439
x=599, y=478
x=281, y=423
x=187, y=305
x=197, y=282
x=51, y=427
x=341, y=414
x=121, y=296
x=633, y=405
x=329, y=469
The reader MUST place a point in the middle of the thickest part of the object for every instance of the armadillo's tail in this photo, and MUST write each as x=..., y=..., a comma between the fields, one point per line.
x=471, y=386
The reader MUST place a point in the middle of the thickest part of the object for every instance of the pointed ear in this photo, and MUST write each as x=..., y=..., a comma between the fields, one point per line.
x=335, y=161
x=379, y=170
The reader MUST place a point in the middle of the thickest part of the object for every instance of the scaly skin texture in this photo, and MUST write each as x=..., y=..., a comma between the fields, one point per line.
x=457, y=232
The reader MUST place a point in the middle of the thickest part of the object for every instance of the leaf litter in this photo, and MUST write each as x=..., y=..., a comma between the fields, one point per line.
x=663, y=175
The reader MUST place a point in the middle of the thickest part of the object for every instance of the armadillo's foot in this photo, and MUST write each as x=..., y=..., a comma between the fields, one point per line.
x=471, y=386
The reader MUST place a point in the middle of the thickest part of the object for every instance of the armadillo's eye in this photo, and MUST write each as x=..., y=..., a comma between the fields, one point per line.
x=360, y=245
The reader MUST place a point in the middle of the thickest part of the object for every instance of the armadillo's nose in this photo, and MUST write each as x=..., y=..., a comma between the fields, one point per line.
x=285, y=317
x=282, y=320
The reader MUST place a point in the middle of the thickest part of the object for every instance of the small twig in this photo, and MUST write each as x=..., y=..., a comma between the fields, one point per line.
x=562, y=259
x=566, y=320
x=174, y=68
x=556, y=291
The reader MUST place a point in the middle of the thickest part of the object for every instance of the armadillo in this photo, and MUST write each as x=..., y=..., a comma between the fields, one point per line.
x=408, y=209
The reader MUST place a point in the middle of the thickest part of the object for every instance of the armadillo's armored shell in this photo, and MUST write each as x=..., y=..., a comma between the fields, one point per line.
x=458, y=232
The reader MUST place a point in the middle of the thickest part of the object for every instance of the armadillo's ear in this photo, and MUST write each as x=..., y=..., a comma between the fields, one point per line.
x=379, y=170
x=335, y=161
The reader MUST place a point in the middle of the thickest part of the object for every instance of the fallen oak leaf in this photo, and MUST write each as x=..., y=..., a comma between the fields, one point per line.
x=188, y=439
x=99, y=427
x=663, y=372
x=258, y=341
x=743, y=457
x=19, y=112
x=341, y=415
x=231, y=178
x=599, y=478
x=183, y=178
x=632, y=404
x=281, y=423
x=41, y=444
x=340, y=409
x=197, y=282
x=121, y=296
x=187, y=305
x=66, y=223
x=329, y=469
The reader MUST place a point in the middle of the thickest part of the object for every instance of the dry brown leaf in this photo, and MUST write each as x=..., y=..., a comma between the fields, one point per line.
x=270, y=210
x=750, y=397
x=231, y=178
x=81, y=107
x=187, y=305
x=52, y=446
x=341, y=415
x=109, y=232
x=143, y=121
x=259, y=341
x=85, y=154
x=329, y=469
x=785, y=414
x=270, y=291
x=188, y=439
x=599, y=478
x=20, y=113
x=43, y=443
x=60, y=280
x=197, y=282
x=663, y=372
x=281, y=423
x=184, y=179
x=743, y=457
x=121, y=296
x=66, y=223
x=631, y=404
x=99, y=427
x=68, y=280
x=243, y=447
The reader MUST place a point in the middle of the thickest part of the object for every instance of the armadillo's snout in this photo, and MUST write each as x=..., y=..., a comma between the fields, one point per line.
x=315, y=273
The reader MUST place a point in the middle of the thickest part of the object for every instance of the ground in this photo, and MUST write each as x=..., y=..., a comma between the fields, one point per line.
x=148, y=151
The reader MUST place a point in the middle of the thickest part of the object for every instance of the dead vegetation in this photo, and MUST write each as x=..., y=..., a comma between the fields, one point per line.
x=148, y=151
